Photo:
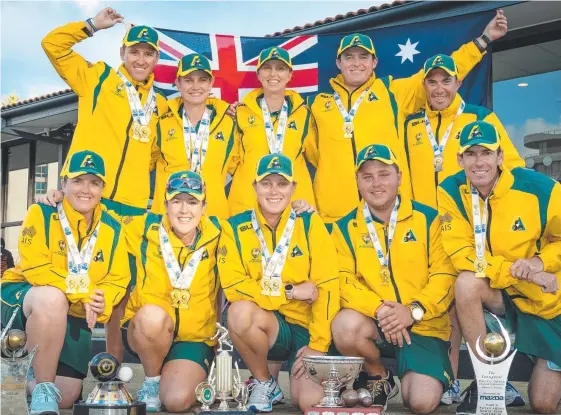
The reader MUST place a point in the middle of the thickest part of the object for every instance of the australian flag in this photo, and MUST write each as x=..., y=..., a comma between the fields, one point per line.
x=401, y=50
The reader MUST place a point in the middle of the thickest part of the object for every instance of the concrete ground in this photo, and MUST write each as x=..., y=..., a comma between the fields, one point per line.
x=394, y=407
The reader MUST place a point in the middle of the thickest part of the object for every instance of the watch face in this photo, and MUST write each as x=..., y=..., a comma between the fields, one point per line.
x=417, y=314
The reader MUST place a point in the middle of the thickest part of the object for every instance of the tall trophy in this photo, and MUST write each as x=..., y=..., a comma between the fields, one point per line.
x=222, y=383
x=16, y=362
x=335, y=373
x=491, y=378
x=110, y=395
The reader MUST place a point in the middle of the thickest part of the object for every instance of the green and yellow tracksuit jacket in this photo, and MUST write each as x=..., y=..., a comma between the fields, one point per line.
x=379, y=120
x=420, y=269
x=420, y=156
x=43, y=255
x=311, y=257
x=523, y=220
x=197, y=323
x=105, y=119
x=221, y=157
x=299, y=141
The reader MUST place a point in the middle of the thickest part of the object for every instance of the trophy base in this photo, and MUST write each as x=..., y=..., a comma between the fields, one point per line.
x=375, y=409
x=135, y=408
x=232, y=411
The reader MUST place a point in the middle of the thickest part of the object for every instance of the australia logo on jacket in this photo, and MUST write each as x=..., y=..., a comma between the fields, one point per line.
x=99, y=256
x=296, y=251
x=409, y=236
x=518, y=225
x=292, y=125
x=255, y=255
x=366, y=241
x=171, y=134
x=219, y=136
x=119, y=88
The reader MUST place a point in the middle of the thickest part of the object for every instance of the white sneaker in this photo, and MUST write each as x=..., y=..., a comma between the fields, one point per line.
x=452, y=395
x=513, y=397
x=278, y=396
x=261, y=395
x=149, y=393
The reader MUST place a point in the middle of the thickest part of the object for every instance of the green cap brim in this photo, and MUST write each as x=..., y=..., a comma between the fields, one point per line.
x=371, y=51
x=448, y=71
x=135, y=42
x=382, y=159
x=191, y=70
x=277, y=58
x=274, y=171
x=482, y=143
x=199, y=196
x=85, y=171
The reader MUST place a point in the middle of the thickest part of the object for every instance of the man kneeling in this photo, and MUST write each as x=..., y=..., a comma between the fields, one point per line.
x=503, y=234
x=72, y=259
x=279, y=271
x=396, y=286
x=171, y=315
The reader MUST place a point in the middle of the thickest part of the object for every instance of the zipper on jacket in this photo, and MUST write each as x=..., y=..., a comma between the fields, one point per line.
x=79, y=237
x=438, y=143
x=123, y=155
x=489, y=217
x=397, y=296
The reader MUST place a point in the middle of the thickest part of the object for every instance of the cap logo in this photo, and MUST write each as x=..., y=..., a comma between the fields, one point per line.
x=371, y=152
x=274, y=53
x=274, y=163
x=438, y=61
x=88, y=162
x=143, y=34
x=196, y=61
x=356, y=41
x=474, y=133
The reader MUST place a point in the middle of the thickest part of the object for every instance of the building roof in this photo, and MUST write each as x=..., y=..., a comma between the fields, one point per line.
x=339, y=17
x=37, y=99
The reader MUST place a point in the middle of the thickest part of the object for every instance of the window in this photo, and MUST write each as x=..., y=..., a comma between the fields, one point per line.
x=41, y=178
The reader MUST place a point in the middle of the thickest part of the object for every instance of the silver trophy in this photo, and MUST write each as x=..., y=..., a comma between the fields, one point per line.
x=110, y=395
x=222, y=383
x=16, y=362
x=491, y=378
x=333, y=373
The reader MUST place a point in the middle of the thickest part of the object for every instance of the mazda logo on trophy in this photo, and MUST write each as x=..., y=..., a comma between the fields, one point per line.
x=16, y=362
x=491, y=378
x=222, y=383
x=110, y=395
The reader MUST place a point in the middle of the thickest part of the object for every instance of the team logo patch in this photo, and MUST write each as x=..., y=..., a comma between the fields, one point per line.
x=367, y=242
x=88, y=162
x=196, y=61
x=292, y=125
x=119, y=88
x=437, y=61
x=419, y=138
x=223, y=251
x=29, y=232
x=371, y=152
x=296, y=251
x=518, y=225
x=143, y=34
x=274, y=163
x=171, y=134
x=328, y=105
x=446, y=218
x=62, y=245
x=356, y=41
x=474, y=133
x=251, y=120
x=255, y=253
x=18, y=295
x=204, y=255
x=127, y=220
x=409, y=236
x=99, y=256
x=219, y=136
x=274, y=54
x=372, y=97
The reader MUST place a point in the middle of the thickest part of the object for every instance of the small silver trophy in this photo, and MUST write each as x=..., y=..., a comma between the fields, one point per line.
x=491, y=378
x=16, y=362
x=333, y=373
x=110, y=395
x=222, y=383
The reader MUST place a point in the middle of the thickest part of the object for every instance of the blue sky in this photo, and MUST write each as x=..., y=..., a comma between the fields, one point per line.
x=26, y=71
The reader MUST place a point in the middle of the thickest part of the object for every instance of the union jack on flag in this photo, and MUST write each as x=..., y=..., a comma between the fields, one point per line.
x=233, y=61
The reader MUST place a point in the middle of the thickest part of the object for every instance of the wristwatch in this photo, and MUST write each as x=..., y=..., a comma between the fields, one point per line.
x=417, y=312
x=288, y=289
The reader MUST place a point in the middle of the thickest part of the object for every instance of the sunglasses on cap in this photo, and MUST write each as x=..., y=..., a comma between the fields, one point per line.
x=185, y=183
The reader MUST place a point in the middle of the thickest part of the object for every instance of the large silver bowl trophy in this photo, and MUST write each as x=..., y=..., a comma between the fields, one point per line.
x=16, y=362
x=110, y=395
x=491, y=378
x=222, y=383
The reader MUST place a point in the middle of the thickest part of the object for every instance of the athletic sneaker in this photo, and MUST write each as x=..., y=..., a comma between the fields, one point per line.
x=262, y=395
x=469, y=403
x=513, y=397
x=382, y=389
x=45, y=399
x=278, y=396
x=452, y=395
x=149, y=393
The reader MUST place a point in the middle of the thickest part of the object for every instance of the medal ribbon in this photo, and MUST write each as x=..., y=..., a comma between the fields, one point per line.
x=140, y=114
x=384, y=259
x=196, y=144
x=349, y=116
x=276, y=142
x=439, y=149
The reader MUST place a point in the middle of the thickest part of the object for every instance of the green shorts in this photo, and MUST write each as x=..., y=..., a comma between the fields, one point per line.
x=426, y=355
x=536, y=336
x=290, y=339
x=77, y=348
x=198, y=352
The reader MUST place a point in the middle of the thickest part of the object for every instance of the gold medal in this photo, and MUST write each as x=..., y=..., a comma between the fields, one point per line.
x=135, y=131
x=184, y=298
x=276, y=285
x=438, y=162
x=385, y=274
x=83, y=284
x=480, y=264
x=175, y=297
x=71, y=284
x=348, y=129
x=266, y=286
x=144, y=131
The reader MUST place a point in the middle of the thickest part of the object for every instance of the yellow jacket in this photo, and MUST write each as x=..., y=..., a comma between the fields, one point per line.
x=311, y=257
x=524, y=219
x=104, y=117
x=299, y=140
x=221, y=157
x=198, y=322
x=420, y=155
x=420, y=269
x=43, y=255
x=377, y=121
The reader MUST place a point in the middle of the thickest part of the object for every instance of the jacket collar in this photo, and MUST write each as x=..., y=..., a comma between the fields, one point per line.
x=139, y=85
x=450, y=111
x=404, y=211
x=338, y=85
x=505, y=182
x=216, y=106
x=263, y=223
x=207, y=231
x=253, y=100
x=78, y=222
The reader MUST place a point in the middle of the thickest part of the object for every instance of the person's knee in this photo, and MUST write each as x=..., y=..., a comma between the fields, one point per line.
x=178, y=400
x=467, y=285
x=347, y=327
x=151, y=322
x=70, y=393
x=544, y=405
x=423, y=393
x=241, y=316
x=49, y=302
x=307, y=399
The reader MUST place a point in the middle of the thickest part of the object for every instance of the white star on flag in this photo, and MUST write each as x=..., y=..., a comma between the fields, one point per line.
x=407, y=51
